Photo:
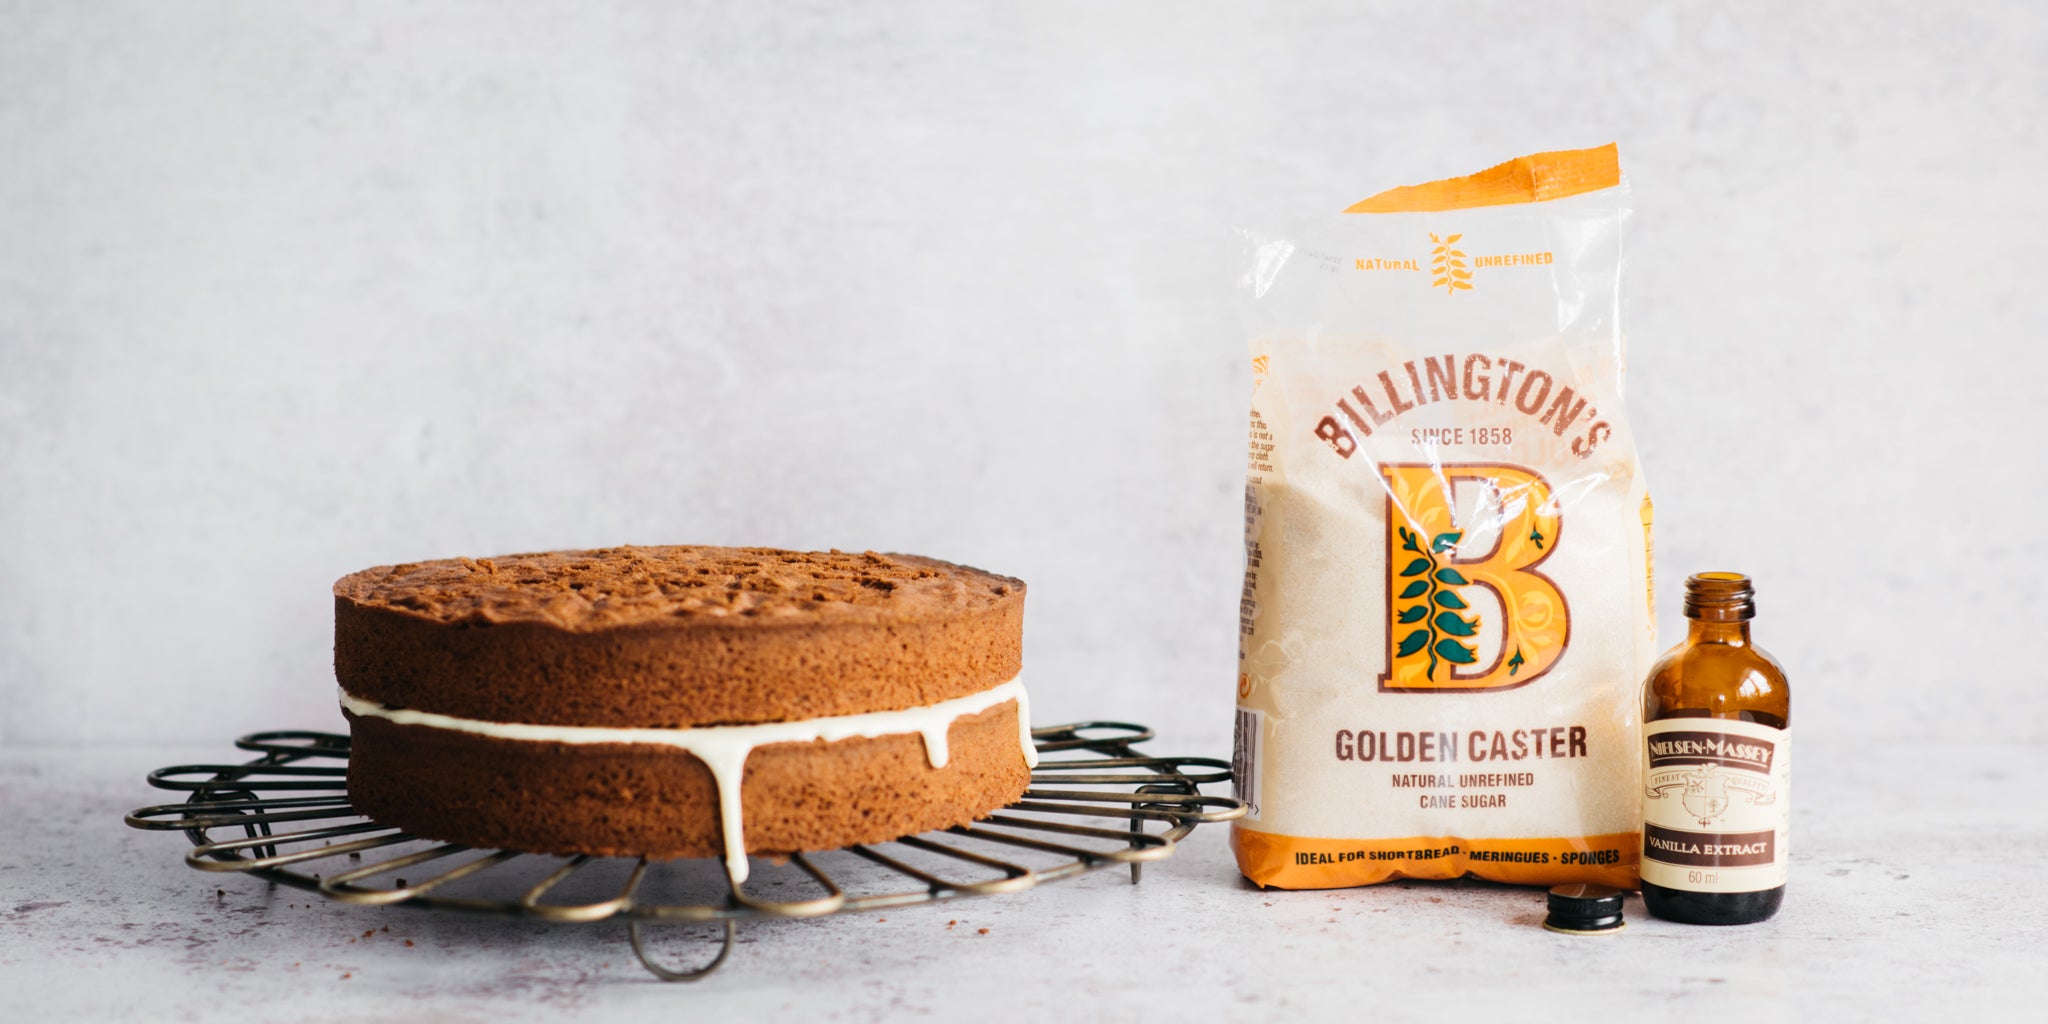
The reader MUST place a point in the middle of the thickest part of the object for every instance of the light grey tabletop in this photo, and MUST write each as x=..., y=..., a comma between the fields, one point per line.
x=1916, y=893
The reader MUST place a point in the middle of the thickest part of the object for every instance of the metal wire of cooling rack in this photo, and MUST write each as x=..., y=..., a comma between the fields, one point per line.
x=1110, y=806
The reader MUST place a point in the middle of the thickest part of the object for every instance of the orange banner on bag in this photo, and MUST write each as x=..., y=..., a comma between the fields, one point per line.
x=1294, y=862
x=1535, y=178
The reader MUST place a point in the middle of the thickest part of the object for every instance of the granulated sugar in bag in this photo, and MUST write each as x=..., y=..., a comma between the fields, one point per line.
x=1446, y=616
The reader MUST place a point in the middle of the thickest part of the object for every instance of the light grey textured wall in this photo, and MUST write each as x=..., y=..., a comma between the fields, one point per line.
x=287, y=290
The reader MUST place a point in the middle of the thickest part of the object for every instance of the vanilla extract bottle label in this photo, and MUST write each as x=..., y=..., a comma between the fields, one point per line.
x=1717, y=804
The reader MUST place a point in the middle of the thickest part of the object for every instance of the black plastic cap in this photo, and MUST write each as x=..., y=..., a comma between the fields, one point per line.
x=1581, y=909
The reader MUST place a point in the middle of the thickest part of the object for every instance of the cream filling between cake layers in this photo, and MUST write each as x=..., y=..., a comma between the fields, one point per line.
x=724, y=748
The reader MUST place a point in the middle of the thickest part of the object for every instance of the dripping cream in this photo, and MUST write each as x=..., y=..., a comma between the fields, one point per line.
x=724, y=748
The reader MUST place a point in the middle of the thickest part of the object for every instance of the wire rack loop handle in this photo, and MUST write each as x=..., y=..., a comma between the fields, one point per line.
x=671, y=974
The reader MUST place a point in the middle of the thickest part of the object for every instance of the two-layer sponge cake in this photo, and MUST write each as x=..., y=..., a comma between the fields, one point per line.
x=681, y=701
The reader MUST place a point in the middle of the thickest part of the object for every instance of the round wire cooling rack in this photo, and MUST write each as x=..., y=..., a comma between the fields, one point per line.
x=1094, y=802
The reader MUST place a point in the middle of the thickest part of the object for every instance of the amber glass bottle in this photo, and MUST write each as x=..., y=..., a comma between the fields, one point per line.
x=1717, y=761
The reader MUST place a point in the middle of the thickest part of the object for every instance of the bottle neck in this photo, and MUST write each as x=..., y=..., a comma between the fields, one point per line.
x=1718, y=607
x=1734, y=634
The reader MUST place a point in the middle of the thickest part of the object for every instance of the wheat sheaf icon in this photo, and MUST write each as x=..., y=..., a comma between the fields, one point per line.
x=1448, y=265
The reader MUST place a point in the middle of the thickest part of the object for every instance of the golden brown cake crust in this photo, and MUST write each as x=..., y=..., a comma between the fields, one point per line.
x=645, y=800
x=606, y=588
x=674, y=637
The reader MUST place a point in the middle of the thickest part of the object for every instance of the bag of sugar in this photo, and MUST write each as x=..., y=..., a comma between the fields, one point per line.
x=1446, y=616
